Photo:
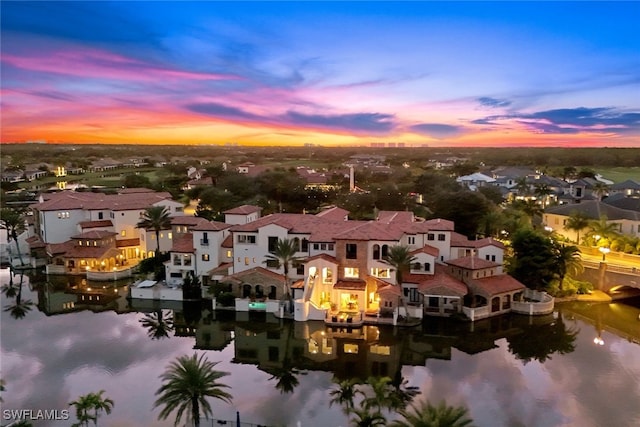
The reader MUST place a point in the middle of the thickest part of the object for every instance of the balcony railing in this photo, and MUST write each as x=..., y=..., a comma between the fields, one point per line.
x=204, y=242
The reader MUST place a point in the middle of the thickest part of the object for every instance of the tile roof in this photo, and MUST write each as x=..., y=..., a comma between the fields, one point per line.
x=221, y=269
x=94, y=234
x=211, y=226
x=123, y=243
x=186, y=220
x=72, y=200
x=441, y=283
x=629, y=184
x=488, y=241
x=299, y=284
x=35, y=242
x=59, y=248
x=495, y=285
x=259, y=270
x=472, y=263
x=325, y=257
x=227, y=242
x=183, y=244
x=97, y=252
x=243, y=210
x=395, y=216
x=96, y=224
x=334, y=213
x=426, y=249
x=390, y=290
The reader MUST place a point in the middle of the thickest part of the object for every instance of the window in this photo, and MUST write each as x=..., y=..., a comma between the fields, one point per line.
x=376, y=251
x=272, y=263
x=80, y=242
x=316, y=246
x=430, y=236
x=327, y=275
x=416, y=266
x=205, y=257
x=300, y=269
x=427, y=266
x=441, y=237
x=178, y=208
x=272, y=242
x=493, y=258
x=411, y=240
x=186, y=259
x=246, y=260
x=100, y=215
x=111, y=215
x=123, y=233
x=305, y=245
x=385, y=251
x=245, y=238
x=205, y=239
x=351, y=250
x=170, y=235
x=384, y=273
x=351, y=272
x=176, y=259
x=331, y=247
x=229, y=254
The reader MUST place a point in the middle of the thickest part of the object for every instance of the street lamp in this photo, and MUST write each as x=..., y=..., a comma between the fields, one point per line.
x=604, y=251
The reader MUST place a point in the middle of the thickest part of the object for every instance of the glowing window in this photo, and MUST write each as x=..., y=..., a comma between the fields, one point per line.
x=351, y=348
x=351, y=272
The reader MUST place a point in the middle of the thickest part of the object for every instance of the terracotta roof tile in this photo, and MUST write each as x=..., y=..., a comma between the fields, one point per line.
x=390, y=290
x=325, y=257
x=96, y=224
x=334, y=213
x=97, y=252
x=211, y=226
x=123, y=243
x=472, y=263
x=227, y=242
x=221, y=269
x=260, y=270
x=243, y=210
x=35, y=242
x=72, y=200
x=395, y=216
x=427, y=249
x=495, y=285
x=183, y=244
x=299, y=284
x=442, y=283
x=94, y=234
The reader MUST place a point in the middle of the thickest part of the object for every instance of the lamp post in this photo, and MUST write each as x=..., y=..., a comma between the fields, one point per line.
x=604, y=252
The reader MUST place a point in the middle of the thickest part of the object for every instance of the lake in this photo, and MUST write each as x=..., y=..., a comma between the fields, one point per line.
x=577, y=367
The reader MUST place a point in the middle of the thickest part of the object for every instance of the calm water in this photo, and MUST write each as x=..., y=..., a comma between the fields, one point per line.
x=510, y=371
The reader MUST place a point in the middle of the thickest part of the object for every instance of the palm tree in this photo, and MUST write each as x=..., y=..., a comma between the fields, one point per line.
x=83, y=405
x=567, y=261
x=577, y=222
x=363, y=417
x=400, y=258
x=600, y=189
x=155, y=218
x=158, y=326
x=19, y=308
x=543, y=191
x=491, y=223
x=381, y=390
x=603, y=228
x=187, y=382
x=427, y=415
x=345, y=394
x=284, y=255
x=522, y=186
x=13, y=220
x=99, y=404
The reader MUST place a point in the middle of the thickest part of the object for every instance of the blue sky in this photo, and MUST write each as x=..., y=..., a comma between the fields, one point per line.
x=341, y=73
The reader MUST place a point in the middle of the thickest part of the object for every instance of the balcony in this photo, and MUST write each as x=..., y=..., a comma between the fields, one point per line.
x=204, y=242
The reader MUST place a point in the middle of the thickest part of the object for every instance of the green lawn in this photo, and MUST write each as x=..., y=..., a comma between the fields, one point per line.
x=620, y=174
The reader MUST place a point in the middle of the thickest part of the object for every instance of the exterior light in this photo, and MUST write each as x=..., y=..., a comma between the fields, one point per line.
x=604, y=252
x=598, y=341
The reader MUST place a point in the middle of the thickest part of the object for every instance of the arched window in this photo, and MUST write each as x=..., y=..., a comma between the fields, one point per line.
x=305, y=245
x=376, y=251
x=296, y=244
x=385, y=251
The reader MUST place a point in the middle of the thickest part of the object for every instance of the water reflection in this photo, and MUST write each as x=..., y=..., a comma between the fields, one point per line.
x=510, y=370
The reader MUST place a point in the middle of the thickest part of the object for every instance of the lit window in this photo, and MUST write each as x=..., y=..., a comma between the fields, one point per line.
x=170, y=235
x=351, y=272
x=384, y=350
x=327, y=275
x=246, y=260
x=229, y=254
x=205, y=257
x=123, y=233
x=381, y=272
x=351, y=348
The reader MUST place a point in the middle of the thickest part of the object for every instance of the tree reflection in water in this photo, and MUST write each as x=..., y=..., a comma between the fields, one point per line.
x=539, y=342
x=159, y=324
x=19, y=308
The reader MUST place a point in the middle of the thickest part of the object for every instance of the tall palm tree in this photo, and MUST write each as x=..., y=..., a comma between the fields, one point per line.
x=428, y=415
x=14, y=222
x=381, y=390
x=577, y=222
x=187, y=382
x=491, y=223
x=155, y=218
x=400, y=258
x=600, y=189
x=522, y=186
x=19, y=308
x=567, y=261
x=99, y=404
x=364, y=417
x=284, y=256
x=83, y=406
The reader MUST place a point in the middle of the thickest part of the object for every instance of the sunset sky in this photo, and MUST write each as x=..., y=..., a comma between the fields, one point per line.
x=329, y=73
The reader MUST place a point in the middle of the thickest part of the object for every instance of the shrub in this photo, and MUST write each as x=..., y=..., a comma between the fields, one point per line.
x=226, y=299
